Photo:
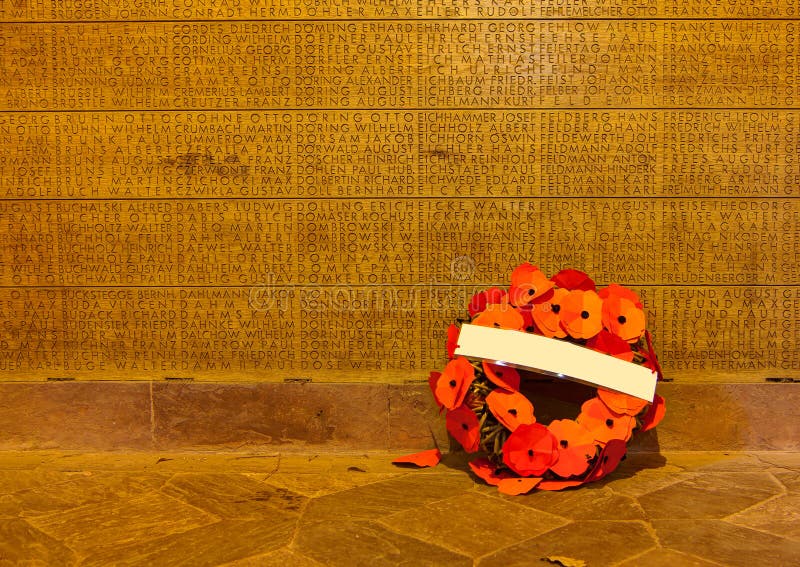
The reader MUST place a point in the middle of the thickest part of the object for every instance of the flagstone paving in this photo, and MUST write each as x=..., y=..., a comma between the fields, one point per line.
x=67, y=508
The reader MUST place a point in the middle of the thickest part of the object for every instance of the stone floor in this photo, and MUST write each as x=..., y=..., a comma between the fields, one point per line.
x=62, y=508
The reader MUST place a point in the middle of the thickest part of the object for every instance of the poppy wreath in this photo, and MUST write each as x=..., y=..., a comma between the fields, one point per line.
x=486, y=412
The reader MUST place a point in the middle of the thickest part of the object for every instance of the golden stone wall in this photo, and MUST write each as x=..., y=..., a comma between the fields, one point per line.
x=262, y=191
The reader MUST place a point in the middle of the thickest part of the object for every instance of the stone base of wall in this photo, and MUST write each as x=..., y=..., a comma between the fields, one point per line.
x=145, y=416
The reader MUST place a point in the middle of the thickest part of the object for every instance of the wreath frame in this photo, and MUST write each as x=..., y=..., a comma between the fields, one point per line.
x=486, y=411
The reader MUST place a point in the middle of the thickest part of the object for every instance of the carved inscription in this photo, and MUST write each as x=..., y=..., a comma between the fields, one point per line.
x=262, y=190
x=360, y=242
x=358, y=154
x=88, y=10
x=399, y=64
x=736, y=333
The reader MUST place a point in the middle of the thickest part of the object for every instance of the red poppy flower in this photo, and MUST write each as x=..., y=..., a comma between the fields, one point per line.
x=429, y=458
x=611, y=344
x=623, y=318
x=512, y=409
x=501, y=316
x=485, y=469
x=452, y=340
x=433, y=379
x=516, y=486
x=453, y=383
x=617, y=290
x=462, y=423
x=608, y=460
x=573, y=279
x=527, y=318
x=651, y=360
x=506, y=377
x=655, y=413
x=528, y=282
x=603, y=423
x=480, y=300
x=546, y=315
x=530, y=450
x=575, y=447
x=621, y=403
x=581, y=314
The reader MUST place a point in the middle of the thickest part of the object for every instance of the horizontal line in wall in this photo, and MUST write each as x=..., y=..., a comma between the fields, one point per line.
x=409, y=19
x=337, y=286
x=414, y=109
x=203, y=381
x=416, y=198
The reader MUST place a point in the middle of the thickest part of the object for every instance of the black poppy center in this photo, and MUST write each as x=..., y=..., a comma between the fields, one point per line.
x=530, y=329
x=605, y=459
x=464, y=426
x=610, y=422
x=531, y=291
x=621, y=319
x=584, y=314
x=564, y=443
x=530, y=452
x=452, y=383
x=555, y=308
x=513, y=412
x=496, y=324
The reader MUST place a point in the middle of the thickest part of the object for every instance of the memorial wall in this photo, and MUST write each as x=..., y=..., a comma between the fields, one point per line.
x=269, y=190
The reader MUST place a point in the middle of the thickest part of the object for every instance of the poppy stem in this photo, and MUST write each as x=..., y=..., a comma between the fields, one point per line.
x=498, y=446
x=490, y=432
x=479, y=388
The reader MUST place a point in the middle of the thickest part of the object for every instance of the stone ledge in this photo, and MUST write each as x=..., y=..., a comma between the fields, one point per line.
x=145, y=416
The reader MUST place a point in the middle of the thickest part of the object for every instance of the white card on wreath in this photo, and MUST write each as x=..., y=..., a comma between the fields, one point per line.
x=556, y=358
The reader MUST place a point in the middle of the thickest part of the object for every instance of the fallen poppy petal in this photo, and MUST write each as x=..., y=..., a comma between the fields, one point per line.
x=530, y=450
x=655, y=413
x=452, y=341
x=462, y=423
x=506, y=377
x=516, y=486
x=621, y=403
x=452, y=385
x=429, y=458
x=608, y=460
x=611, y=344
x=486, y=470
x=558, y=484
x=604, y=424
x=573, y=279
x=511, y=408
